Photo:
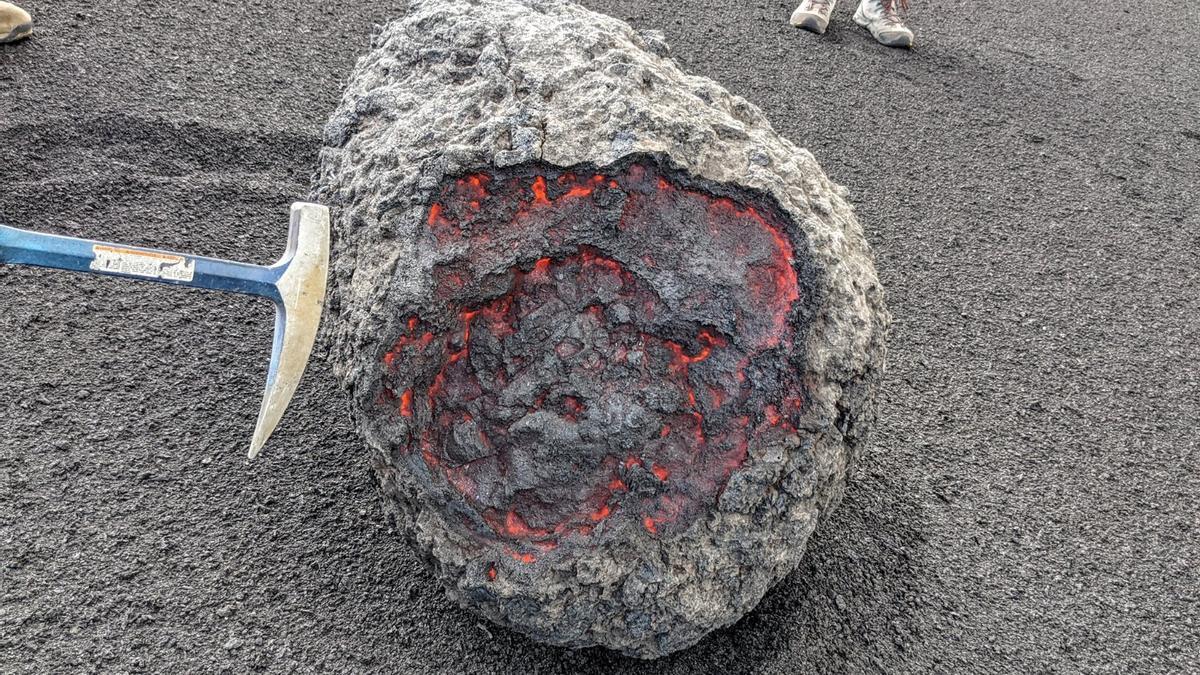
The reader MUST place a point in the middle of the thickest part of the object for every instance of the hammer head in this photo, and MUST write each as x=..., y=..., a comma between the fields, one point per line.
x=301, y=284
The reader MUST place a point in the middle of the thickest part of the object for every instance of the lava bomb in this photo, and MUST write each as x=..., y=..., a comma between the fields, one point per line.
x=613, y=343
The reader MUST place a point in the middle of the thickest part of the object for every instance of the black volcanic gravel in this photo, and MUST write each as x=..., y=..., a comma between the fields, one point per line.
x=1028, y=178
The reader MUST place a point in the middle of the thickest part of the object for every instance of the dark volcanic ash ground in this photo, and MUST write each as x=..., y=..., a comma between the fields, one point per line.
x=1029, y=498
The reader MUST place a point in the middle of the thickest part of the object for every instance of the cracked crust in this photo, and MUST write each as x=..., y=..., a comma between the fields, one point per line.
x=457, y=87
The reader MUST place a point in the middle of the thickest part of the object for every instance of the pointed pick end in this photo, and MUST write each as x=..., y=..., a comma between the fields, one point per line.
x=298, y=314
x=256, y=446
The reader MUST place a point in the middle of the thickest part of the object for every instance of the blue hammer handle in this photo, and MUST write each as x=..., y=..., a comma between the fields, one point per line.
x=295, y=284
x=22, y=247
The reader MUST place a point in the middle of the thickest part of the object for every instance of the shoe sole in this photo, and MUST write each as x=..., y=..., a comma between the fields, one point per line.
x=904, y=40
x=900, y=40
x=18, y=33
x=810, y=22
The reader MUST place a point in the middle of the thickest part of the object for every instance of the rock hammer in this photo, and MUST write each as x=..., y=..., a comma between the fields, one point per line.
x=296, y=284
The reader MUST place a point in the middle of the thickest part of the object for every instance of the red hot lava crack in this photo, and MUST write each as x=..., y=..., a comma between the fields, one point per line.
x=580, y=399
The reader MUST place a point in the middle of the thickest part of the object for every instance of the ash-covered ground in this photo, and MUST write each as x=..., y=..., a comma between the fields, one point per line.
x=1025, y=176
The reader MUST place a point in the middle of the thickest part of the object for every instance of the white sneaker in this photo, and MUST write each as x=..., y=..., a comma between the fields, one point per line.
x=15, y=23
x=813, y=15
x=881, y=18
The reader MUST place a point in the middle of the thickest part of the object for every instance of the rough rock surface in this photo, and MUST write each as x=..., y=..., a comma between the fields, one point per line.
x=483, y=166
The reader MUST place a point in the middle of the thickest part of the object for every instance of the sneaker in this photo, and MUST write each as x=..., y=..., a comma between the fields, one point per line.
x=15, y=23
x=813, y=15
x=881, y=18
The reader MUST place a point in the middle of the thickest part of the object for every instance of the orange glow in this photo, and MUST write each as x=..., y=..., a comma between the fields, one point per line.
x=707, y=341
x=430, y=460
x=468, y=317
x=515, y=525
x=539, y=191
x=772, y=416
x=406, y=341
x=689, y=461
x=527, y=558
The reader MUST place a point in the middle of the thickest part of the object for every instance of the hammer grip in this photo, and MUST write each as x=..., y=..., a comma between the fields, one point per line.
x=24, y=247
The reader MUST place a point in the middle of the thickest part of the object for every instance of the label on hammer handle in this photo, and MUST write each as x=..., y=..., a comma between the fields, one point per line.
x=128, y=262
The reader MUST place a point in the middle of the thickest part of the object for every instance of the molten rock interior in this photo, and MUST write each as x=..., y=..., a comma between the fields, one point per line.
x=609, y=346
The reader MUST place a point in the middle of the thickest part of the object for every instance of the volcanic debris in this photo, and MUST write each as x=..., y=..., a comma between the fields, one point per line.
x=611, y=340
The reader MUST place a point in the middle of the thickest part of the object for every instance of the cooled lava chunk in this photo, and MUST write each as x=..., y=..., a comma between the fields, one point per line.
x=607, y=380
x=613, y=342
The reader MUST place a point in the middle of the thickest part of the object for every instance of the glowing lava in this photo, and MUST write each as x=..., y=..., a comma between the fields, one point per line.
x=612, y=375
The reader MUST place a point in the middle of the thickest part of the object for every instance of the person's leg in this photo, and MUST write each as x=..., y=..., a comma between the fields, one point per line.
x=883, y=20
x=813, y=15
x=15, y=23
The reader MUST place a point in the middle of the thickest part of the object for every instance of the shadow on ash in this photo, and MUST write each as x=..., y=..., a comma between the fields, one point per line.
x=612, y=341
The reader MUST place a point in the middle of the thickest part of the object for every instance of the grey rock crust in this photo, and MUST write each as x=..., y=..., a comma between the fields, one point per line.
x=457, y=87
